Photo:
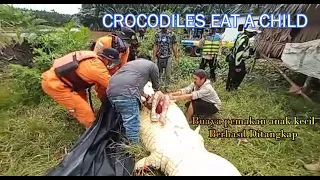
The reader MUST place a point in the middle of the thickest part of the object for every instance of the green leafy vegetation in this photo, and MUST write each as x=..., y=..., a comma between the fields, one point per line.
x=53, y=18
x=14, y=21
x=91, y=14
x=53, y=45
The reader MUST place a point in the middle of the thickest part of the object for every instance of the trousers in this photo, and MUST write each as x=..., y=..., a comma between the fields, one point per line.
x=75, y=102
x=212, y=65
x=236, y=75
x=168, y=69
x=128, y=107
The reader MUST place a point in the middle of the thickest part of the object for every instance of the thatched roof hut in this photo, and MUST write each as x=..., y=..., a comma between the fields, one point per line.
x=272, y=41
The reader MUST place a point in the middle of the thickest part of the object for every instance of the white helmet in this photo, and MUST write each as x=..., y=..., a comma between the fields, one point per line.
x=252, y=30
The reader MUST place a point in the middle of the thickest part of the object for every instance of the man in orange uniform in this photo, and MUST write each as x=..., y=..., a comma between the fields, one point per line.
x=114, y=41
x=66, y=82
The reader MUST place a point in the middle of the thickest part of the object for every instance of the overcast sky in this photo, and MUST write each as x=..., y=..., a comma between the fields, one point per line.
x=59, y=8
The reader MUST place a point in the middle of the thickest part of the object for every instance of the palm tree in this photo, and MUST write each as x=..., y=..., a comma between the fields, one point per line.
x=91, y=14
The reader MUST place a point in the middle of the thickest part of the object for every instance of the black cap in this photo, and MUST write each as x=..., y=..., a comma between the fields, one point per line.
x=126, y=33
x=200, y=73
x=111, y=54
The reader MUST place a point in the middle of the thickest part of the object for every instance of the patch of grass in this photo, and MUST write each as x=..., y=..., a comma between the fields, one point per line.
x=34, y=139
x=140, y=152
x=260, y=156
x=264, y=156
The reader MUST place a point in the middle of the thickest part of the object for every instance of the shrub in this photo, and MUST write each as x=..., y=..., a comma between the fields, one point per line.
x=50, y=45
x=58, y=43
x=26, y=83
x=187, y=66
x=146, y=45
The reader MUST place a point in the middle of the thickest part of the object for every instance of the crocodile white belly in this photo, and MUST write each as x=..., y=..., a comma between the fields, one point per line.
x=177, y=150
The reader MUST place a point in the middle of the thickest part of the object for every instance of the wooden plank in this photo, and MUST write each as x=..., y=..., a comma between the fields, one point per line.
x=286, y=77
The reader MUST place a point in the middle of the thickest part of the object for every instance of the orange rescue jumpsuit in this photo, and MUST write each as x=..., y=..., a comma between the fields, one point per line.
x=106, y=42
x=93, y=71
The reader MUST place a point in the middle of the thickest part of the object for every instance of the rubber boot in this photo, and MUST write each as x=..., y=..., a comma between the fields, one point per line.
x=213, y=77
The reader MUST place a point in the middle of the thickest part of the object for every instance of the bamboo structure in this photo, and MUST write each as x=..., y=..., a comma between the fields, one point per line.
x=271, y=41
x=286, y=77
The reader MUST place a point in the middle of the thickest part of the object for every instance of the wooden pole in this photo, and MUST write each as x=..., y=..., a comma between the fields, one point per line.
x=287, y=78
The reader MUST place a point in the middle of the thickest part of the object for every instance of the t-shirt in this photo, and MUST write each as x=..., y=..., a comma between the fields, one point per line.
x=165, y=41
x=131, y=78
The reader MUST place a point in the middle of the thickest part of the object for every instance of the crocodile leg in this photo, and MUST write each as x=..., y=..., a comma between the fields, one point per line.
x=143, y=167
x=143, y=164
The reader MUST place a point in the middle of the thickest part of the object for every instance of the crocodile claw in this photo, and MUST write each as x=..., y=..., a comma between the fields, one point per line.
x=142, y=166
x=143, y=170
x=154, y=118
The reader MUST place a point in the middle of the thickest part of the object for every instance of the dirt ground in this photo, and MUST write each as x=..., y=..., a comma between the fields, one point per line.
x=16, y=53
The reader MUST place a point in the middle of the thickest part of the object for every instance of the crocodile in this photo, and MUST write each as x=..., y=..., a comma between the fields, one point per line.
x=176, y=149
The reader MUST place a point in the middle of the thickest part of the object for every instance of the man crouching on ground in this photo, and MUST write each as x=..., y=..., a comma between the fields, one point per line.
x=125, y=90
x=203, y=99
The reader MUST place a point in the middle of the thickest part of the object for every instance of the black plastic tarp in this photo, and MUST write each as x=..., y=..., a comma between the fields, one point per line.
x=100, y=150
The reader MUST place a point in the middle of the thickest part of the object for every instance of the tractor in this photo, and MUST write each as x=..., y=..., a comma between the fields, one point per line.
x=191, y=39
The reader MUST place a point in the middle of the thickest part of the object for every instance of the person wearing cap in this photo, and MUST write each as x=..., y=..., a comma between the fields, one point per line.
x=71, y=75
x=116, y=41
x=201, y=96
x=129, y=36
x=210, y=45
x=165, y=42
x=241, y=51
x=126, y=88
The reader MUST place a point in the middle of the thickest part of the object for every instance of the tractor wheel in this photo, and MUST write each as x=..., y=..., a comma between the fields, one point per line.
x=189, y=50
x=196, y=51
